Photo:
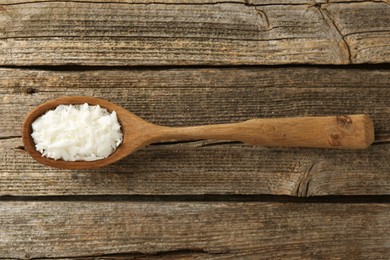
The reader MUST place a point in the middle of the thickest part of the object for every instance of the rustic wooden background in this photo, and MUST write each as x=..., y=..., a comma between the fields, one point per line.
x=188, y=63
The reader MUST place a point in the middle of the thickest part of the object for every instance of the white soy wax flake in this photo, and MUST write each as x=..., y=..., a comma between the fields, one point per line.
x=77, y=133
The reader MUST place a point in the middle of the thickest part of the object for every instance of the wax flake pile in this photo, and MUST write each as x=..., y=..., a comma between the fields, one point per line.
x=77, y=133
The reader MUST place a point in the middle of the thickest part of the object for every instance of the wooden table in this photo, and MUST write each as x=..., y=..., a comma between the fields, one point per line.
x=181, y=63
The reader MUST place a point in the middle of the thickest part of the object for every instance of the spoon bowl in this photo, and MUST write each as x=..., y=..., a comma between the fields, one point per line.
x=133, y=128
x=342, y=132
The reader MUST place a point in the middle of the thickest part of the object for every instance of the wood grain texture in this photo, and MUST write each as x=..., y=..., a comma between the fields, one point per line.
x=202, y=96
x=180, y=97
x=335, y=132
x=216, y=230
x=205, y=168
x=365, y=33
x=74, y=224
x=98, y=33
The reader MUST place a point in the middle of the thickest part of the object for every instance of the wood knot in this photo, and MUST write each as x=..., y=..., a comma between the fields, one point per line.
x=335, y=139
x=344, y=121
x=31, y=91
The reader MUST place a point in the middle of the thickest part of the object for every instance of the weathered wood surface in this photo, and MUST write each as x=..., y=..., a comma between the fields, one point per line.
x=205, y=95
x=76, y=224
x=196, y=169
x=364, y=39
x=201, y=96
x=193, y=169
x=217, y=230
x=109, y=33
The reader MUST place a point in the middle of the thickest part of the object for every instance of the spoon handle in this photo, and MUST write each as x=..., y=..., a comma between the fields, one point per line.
x=344, y=132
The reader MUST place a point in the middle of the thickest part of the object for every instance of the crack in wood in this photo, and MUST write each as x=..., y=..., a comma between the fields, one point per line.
x=362, y=32
x=344, y=46
x=20, y=148
x=350, y=199
x=266, y=25
x=227, y=39
x=244, y=2
x=86, y=68
x=356, y=2
x=136, y=254
x=220, y=143
x=132, y=2
x=216, y=2
x=303, y=185
x=10, y=137
x=385, y=139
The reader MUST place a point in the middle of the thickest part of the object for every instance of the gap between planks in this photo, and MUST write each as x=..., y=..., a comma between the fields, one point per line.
x=85, y=68
x=198, y=2
x=352, y=199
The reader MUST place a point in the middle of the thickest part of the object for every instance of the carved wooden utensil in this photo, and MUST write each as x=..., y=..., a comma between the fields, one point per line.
x=345, y=132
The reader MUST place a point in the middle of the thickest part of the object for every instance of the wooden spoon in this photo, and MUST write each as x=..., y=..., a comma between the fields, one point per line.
x=346, y=132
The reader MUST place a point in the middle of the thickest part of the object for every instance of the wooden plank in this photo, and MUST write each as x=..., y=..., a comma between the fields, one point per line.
x=201, y=96
x=217, y=230
x=202, y=168
x=94, y=33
